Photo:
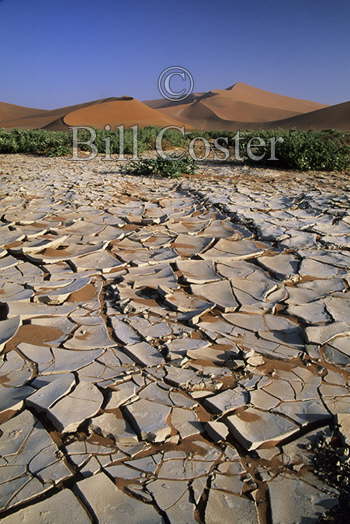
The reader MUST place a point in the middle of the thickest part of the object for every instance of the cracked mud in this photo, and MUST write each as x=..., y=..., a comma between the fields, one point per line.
x=170, y=349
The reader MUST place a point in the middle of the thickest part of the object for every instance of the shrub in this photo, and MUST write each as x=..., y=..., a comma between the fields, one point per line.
x=146, y=140
x=34, y=141
x=307, y=151
x=170, y=167
x=301, y=150
x=57, y=143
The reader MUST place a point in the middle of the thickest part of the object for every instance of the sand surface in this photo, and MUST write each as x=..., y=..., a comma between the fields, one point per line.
x=333, y=117
x=240, y=106
x=126, y=112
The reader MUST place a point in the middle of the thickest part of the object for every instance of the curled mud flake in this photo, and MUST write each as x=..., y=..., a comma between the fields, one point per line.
x=183, y=339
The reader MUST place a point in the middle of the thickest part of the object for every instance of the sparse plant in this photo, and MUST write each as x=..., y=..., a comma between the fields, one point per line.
x=171, y=167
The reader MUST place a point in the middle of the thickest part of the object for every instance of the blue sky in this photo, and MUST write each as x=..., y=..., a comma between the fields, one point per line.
x=61, y=53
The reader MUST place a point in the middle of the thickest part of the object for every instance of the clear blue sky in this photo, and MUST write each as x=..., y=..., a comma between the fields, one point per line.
x=66, y=52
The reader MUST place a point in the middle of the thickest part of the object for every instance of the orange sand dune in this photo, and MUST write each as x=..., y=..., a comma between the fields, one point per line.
x=163, y=102
x=127, y=112
x=13, y=112
x=253, y=95
x=245, y=111
x=43, y=118
x=332, y=117
x=200, y=116
x=241, y=92
x=238, y=106
x=35, y=121
x=97, y=113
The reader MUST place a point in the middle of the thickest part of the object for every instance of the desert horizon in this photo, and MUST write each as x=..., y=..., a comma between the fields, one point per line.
x=239, y=106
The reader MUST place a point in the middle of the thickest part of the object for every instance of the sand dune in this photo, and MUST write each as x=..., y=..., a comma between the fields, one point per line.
x=240, y=106
x=13, y=112
x=127, y=111
x=29, y=118
x=332, y=117
x=245, y=111
x=200, y=116
x=35, y=121
x=98, y=113
x=246, y=93
x=163, y=102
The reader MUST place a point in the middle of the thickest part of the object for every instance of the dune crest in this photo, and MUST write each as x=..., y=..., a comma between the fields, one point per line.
x=240, y=106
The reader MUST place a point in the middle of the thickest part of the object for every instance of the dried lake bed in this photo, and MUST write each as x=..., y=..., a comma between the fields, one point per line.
x=170, y=348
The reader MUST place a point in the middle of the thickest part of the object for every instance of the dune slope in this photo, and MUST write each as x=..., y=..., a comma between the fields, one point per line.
x=128, y=112
x=238, y=106
x=332, y=117
x=13, y=112
x=114, y=111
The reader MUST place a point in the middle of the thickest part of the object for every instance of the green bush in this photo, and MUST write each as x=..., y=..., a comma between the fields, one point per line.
x=112, y=138
x=146, y=140
x=35, y=141
x=327, y=150
x=307, y=151
x=57, y=143
x=171, y=137
x=172, y=167
x=300, y=150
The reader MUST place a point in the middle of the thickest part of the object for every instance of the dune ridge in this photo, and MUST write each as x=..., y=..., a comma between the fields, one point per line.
x=240, y=106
